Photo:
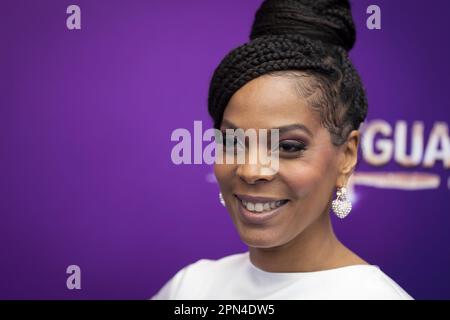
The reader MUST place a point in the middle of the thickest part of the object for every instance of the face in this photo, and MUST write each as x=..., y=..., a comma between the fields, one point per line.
x=295, y=196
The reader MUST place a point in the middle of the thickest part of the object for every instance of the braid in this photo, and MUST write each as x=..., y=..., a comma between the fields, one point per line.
x=325, y=20
x=305, y=40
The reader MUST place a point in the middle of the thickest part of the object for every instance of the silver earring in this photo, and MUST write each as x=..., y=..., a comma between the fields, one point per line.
x=222, y=201
x=341, y=206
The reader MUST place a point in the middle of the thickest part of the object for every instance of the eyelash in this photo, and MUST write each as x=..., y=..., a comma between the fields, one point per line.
x=226, y=140
x=299, y=146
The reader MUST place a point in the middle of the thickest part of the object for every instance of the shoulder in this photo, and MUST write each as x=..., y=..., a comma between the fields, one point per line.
x=190, y=280
x=367, y=282
x=207, y=278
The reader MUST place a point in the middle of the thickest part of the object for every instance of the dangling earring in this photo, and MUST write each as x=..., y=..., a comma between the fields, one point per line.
x=341, y=206
x=222, y=201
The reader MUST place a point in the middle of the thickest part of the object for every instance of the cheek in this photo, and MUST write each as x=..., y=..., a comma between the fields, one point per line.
x=301, y=180
x=308, y=180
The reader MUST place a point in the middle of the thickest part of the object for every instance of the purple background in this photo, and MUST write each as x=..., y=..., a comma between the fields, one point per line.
x=86, y=116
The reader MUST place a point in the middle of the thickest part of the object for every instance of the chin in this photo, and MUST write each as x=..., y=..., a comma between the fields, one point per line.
x=260, y=243
x=260, y=238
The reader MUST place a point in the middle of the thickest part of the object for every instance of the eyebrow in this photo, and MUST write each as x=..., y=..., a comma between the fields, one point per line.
x=283, y=129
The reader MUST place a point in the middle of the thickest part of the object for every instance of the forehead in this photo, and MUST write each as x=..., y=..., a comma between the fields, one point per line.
x=270, y=101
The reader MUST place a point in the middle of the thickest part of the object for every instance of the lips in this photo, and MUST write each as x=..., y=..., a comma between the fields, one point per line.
x=260, y=204
x=258, y=209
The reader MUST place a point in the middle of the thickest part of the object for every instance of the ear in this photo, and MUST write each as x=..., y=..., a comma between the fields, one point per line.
x=348, y=157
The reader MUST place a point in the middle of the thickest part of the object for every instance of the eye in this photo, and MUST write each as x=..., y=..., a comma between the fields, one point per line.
x=231, y=142
x=291, y=146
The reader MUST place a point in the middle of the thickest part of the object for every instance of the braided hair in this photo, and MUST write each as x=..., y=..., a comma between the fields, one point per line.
x=305, y=40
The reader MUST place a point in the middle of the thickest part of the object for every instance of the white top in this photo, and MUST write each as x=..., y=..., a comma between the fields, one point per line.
x=235, y=277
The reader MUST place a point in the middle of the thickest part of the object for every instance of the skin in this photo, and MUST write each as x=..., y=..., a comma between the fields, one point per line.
x=301, y=238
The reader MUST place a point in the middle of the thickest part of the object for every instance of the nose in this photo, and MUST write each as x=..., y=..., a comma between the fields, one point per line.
x=255, y=173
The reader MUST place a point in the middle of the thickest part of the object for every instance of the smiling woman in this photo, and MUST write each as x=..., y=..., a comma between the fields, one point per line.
x=293, y=74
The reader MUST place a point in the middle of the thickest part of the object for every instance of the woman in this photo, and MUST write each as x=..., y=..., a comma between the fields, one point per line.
x=293, y=75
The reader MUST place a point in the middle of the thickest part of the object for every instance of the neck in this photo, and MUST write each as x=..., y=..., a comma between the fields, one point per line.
x=316, y=248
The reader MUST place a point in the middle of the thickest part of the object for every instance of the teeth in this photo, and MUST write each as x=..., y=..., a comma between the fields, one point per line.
x=260, y=207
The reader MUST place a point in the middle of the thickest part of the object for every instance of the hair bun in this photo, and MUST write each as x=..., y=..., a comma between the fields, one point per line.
x=327, y=20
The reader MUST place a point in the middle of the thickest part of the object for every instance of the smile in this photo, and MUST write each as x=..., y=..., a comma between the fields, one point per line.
x=262, y=206
x=259, y=210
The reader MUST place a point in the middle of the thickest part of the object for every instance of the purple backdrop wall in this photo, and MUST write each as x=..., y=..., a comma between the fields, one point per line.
x=86, y=118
